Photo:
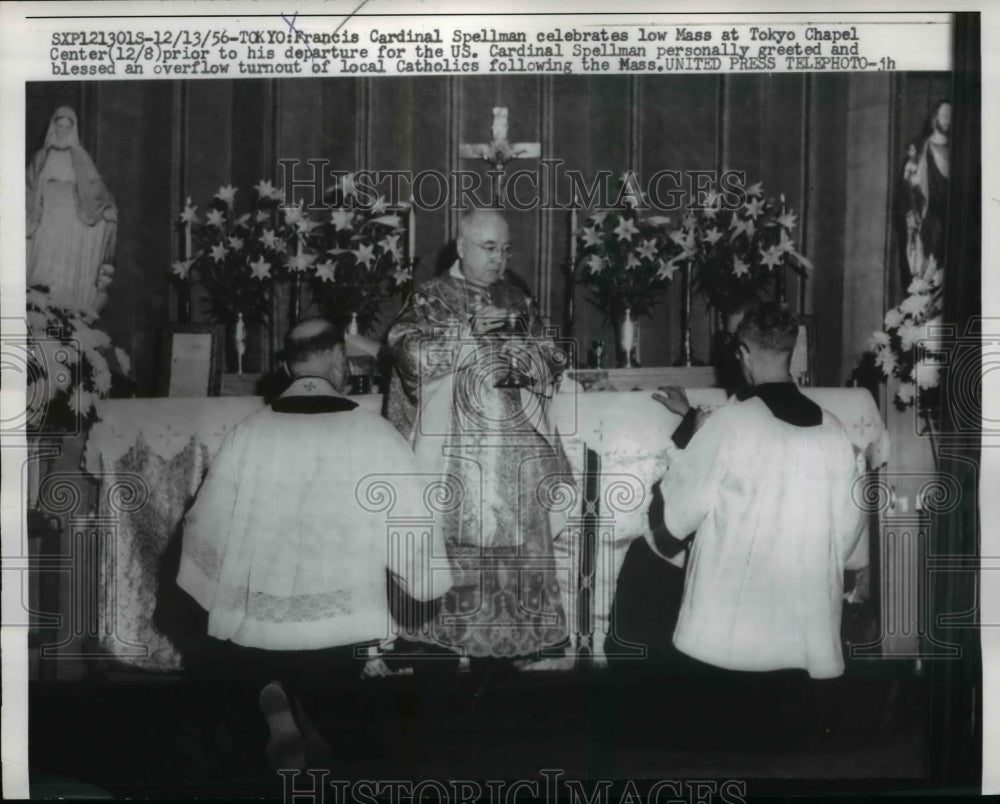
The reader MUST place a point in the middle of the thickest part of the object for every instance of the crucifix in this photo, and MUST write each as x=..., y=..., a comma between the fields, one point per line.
x=499, y=152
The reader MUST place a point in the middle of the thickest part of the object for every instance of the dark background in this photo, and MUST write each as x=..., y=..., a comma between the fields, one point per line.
x=833, y=144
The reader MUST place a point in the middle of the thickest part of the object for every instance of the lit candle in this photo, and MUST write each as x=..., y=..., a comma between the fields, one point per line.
x=187, y=232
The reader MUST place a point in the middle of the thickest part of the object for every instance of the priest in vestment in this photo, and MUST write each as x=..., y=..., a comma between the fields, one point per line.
x=473, y=374
x=766, y=487
x=282, y=554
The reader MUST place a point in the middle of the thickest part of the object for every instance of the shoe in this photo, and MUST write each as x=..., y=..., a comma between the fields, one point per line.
x=286, y=746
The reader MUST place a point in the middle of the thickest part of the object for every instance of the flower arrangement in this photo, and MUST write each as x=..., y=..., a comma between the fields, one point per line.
x=348, y=255
x=354, y=259
x=906, y=349
x=237, y=258
x=71, y=364
x=737, y=251
x=627, y=261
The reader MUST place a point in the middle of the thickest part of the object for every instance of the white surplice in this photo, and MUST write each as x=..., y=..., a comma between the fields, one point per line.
x=283, y=548
x=770, y=504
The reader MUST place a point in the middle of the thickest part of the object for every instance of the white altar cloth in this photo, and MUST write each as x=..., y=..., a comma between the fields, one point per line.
x=166, y=445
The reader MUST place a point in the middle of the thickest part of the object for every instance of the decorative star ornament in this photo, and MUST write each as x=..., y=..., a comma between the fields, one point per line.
x=598, y=217
x=227, y=194
x=218, y=252
x=261, y=269
x=188, y=215
x=595, y=264
x=712, y=236
x=262, y=216
x=740, y=268
x=215, y=218
x=292, y=215
x=756, y=189
x=632, y=262
x=379, y=207
x=235, y=243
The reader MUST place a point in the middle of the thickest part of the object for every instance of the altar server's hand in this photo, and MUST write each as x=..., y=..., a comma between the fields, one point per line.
x=673, y=399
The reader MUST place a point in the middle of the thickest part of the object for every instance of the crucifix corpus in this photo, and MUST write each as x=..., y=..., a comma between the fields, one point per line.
x=499, y=152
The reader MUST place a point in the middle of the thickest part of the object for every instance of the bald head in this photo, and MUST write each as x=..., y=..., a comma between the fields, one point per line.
x=315, y=346
x=483, y=246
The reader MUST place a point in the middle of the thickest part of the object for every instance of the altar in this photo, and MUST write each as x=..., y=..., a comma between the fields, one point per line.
x=156, y=453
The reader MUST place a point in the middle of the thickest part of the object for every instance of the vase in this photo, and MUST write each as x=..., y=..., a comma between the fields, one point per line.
x=240, y=339
x=626, y=338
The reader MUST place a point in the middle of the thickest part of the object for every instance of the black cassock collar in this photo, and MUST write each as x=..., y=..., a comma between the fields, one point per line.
x=786, y=402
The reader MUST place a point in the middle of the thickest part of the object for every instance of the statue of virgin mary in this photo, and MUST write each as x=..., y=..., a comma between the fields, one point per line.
x=72, y=220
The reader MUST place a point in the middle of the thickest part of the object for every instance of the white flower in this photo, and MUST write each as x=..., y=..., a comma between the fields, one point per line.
x=905, y=393
x=928, y=373
x=909, y=334
x=181, y=268
x=625, y=229
x=38, y=324
x=893, y=318
x=227, y=194
x=918, y=286
x=124, y=361
x=914, y=305
x=324, y=271
x=265, y=189
x=879, y=340
x=81, y=401
x=261, y=268
x=886, y=360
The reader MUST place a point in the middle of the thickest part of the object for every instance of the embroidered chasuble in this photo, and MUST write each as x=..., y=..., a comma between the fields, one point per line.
x=494, y=447
x=766, y=487
x=277, y=547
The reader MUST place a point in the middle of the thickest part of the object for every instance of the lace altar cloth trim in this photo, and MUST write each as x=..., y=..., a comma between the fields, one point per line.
x=169, y=444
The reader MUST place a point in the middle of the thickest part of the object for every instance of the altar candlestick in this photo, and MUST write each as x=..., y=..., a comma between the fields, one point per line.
x=573, y=225
x=187, y=233
x=412, y=231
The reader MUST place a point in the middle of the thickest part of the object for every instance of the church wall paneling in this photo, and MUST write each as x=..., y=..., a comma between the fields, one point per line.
x=825, y=232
